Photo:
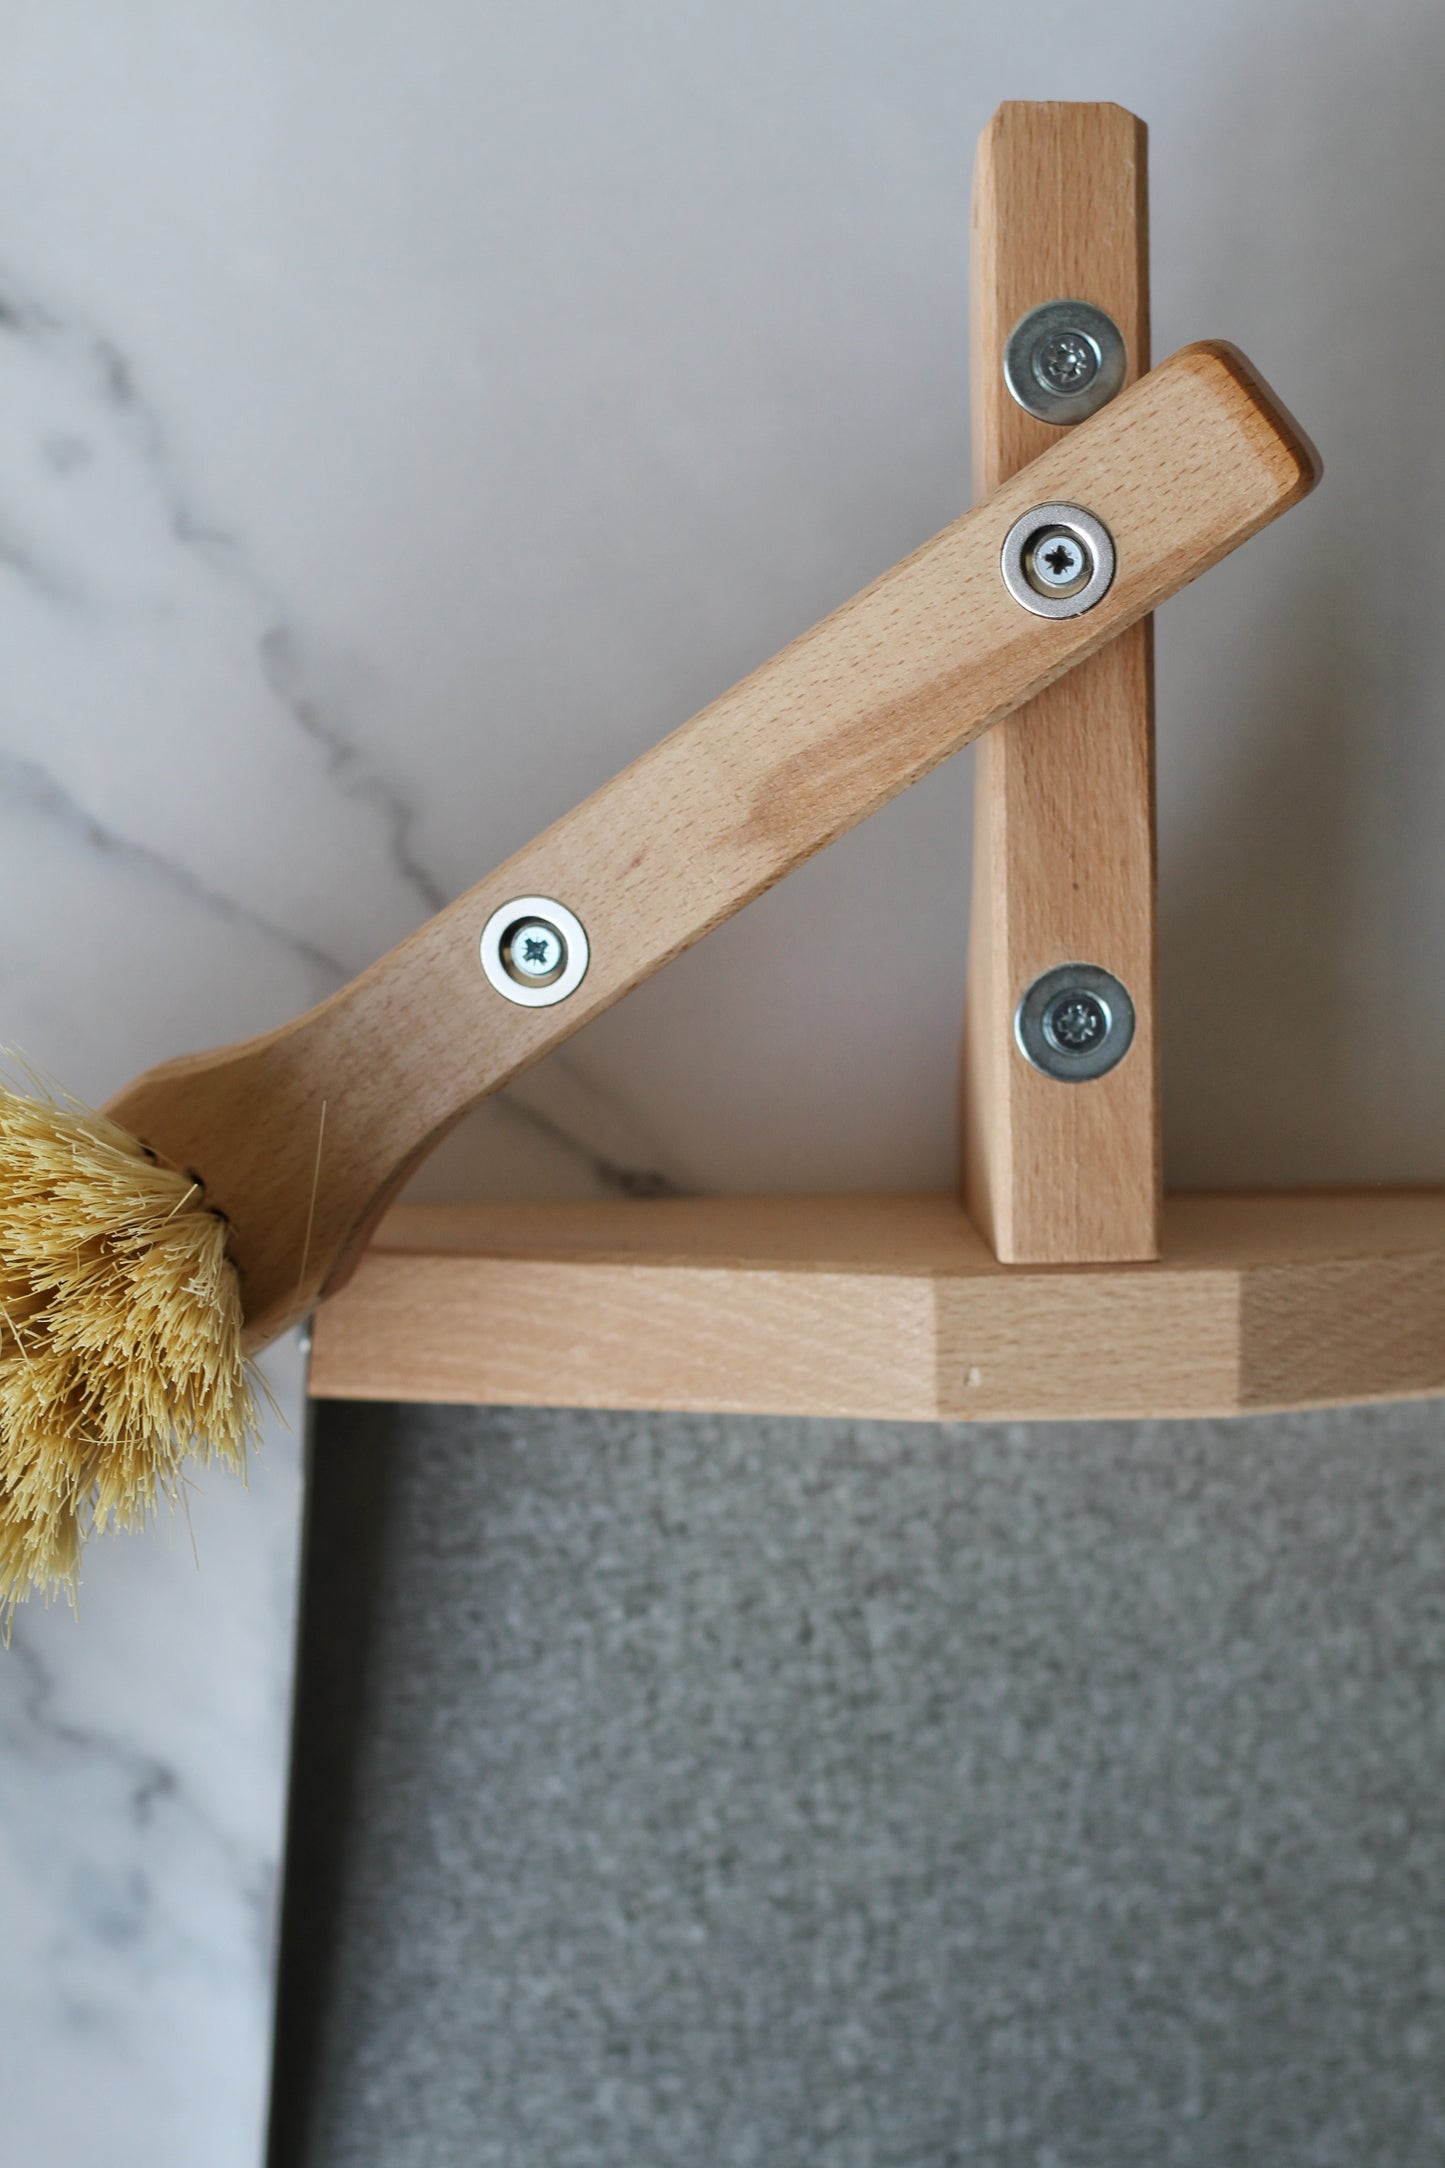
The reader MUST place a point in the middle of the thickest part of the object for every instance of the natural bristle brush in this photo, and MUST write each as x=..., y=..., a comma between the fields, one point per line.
x=120, y=1335
x=220, y=1197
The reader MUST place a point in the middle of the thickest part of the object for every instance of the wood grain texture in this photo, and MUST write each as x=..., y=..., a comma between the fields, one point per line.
x=1181, y=469
x=1064, y=839
x=890, y=1307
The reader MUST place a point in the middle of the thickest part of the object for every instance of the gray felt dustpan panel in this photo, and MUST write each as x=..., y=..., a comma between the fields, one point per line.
x=690, y=1792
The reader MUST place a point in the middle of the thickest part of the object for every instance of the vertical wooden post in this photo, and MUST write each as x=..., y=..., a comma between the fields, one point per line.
x=1064, y=857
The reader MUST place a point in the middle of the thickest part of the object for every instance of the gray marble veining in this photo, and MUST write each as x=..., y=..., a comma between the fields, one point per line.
x=34, y=794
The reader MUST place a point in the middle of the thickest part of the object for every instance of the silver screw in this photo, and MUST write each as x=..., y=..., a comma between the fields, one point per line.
x=1064, y=360
x=1057, y=562
x=1075, y=1023
x=534, y=951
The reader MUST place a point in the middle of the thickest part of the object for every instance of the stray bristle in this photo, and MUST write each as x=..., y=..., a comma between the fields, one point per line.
x=120, y=1339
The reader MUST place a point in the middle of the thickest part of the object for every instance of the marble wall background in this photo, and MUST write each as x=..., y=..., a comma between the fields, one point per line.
x=407, y=413
x=143, y=1748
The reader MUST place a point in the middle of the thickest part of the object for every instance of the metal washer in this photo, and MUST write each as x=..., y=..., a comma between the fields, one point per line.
x=1091, y=532
x=1037, y=1045
x=574, y=937
x=1051, y=320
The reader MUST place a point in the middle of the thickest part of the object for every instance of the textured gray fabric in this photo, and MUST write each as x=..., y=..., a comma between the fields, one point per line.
x=831, y=1795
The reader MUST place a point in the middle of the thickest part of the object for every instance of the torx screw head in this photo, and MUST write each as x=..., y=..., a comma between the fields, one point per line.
x=1075, y=1021
x=1065, y=362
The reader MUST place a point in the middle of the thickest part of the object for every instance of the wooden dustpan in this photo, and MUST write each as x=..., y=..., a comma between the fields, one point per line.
x=1064, y=1283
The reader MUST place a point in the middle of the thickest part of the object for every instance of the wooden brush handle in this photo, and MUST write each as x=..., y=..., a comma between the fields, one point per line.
x=1181, y=469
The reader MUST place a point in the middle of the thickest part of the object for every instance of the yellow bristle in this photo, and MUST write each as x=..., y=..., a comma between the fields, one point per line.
x=120, y=1339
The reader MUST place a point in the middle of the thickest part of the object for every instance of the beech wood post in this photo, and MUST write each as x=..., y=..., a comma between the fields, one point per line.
x=1064, y=849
